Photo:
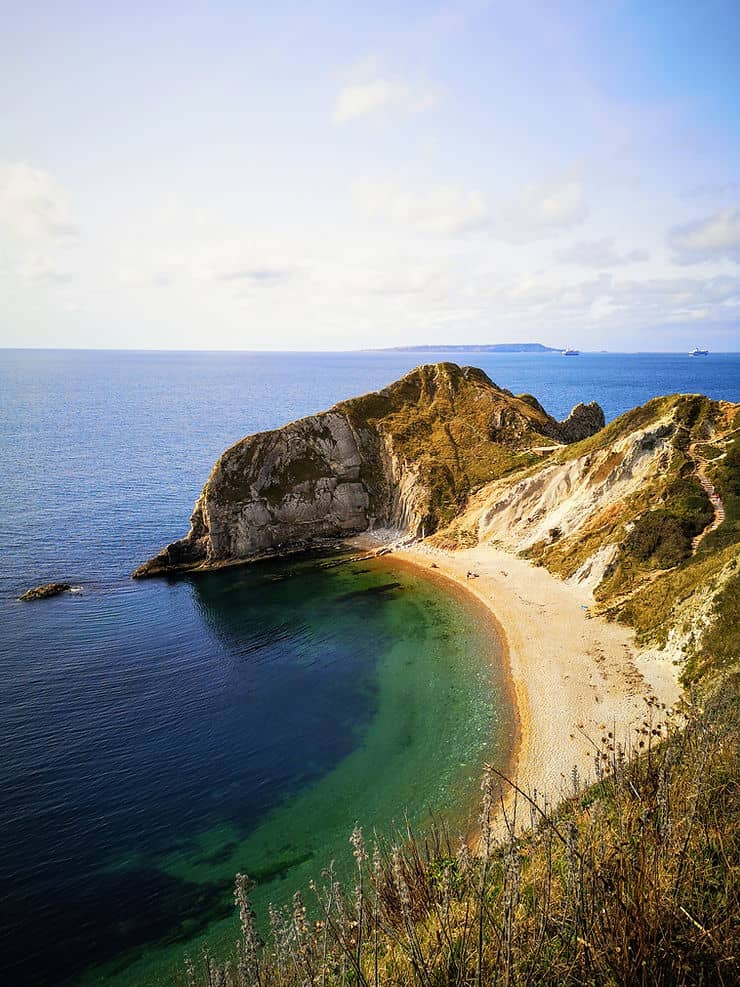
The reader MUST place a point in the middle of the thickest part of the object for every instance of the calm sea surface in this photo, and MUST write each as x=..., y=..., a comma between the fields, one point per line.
x=157, y=737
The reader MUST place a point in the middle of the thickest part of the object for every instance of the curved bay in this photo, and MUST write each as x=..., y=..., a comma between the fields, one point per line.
x=238, y=721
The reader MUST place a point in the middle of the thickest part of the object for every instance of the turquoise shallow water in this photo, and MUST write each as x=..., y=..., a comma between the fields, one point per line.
x=427, y=704
x=167, y=735
x=159, y=736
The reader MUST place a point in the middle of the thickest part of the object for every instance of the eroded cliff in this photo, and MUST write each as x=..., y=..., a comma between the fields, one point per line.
x=408, y=456
x=645, y=514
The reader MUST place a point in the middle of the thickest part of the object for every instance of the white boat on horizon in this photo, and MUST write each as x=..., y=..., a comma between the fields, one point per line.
x=569, y=352
x=697, y=352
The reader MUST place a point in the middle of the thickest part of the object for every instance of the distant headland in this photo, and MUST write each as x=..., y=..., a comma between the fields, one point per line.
x=472, y=348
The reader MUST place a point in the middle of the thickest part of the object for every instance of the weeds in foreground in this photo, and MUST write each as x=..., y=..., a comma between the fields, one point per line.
x=629, y=881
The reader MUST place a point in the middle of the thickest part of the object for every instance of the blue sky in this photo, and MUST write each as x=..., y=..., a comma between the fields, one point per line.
x=342, y=175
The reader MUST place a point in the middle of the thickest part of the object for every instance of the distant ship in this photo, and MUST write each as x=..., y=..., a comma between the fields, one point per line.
x=697, y=352
x=569, y=352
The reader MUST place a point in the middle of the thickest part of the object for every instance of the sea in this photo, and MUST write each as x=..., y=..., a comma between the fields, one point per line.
x=158, y=737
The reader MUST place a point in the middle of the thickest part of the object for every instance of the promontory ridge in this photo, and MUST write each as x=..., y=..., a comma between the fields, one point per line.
x=406, y=457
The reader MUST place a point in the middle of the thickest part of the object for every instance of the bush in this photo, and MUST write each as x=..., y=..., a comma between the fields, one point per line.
x=662, y=538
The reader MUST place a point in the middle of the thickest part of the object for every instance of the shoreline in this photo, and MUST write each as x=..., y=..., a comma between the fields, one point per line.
x=574, y=677
x=452, y=587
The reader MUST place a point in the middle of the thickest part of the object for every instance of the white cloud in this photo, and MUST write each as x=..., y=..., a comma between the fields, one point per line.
x=244, y=265
x=378, y=95
x=441, y=209
x=712, y=238
x=660, y=301
x=543, y=206
x=230, y=265
x=31, y=203
x=372, y=276
x=256, y=275
x=450, y=209
x=599, y=253
x=36, y=269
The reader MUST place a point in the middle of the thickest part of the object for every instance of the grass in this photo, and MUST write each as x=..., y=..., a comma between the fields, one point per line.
x=720, y=645
x=458, y=430
x=630, y=421
x=652, y=529
x=725, y=475
x=693, y=411
x=629, y=881
x=662, y=538
x=709, y=578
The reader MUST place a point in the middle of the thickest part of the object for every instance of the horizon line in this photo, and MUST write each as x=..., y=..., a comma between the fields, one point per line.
x=415, y=348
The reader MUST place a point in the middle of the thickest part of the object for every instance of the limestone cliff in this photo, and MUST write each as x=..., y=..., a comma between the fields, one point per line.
x=406, y=457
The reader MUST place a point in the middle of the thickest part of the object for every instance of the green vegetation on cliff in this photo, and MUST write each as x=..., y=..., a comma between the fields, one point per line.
x=712, y=573
x=668, y=549
x=455, y=429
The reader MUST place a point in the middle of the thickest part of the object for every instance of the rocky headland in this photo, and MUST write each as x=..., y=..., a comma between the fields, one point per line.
x=407, y=457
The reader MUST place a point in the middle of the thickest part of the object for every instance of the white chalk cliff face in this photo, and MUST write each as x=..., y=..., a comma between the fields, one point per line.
x=282, y=485
x=567, y=495
x=405, y=457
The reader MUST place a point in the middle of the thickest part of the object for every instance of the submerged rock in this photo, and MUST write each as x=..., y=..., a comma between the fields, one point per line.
x=45, y=591
x=405, y=457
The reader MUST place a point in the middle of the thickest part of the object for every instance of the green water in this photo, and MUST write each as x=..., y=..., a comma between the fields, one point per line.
x=440, y=708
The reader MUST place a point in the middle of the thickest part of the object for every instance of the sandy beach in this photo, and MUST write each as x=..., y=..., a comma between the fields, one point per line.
x=575, y=677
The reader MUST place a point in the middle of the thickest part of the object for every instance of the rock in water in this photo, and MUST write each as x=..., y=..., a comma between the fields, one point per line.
x=45, y=591
x=405, y=457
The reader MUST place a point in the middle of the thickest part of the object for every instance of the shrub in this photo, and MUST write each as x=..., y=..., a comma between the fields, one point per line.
x=660, y=537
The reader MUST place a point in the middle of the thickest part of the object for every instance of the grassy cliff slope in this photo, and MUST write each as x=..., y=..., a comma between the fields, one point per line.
x=644, y=513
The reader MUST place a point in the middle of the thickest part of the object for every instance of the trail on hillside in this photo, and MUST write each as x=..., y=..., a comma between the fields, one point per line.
x=714, y=498
x=718, y=508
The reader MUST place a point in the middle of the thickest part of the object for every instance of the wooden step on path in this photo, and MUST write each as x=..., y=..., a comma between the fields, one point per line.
x=717, y=505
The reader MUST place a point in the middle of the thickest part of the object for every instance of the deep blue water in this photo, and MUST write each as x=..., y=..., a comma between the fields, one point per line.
x=137, y=717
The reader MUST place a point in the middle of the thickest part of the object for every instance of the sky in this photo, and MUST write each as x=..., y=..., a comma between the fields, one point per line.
x=330, y=176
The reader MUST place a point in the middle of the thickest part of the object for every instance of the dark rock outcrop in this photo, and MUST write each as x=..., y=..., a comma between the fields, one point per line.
x=45, y=591
x=584, y=420
x=405, y=457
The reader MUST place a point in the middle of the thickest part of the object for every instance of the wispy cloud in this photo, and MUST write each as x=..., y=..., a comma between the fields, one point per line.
x=712, y=190
x=532, y=212
x=32, y=205
x=440, y=209
x=599, y=253
x=711, y=238
x=256, y=275
x=37, y=269
x=540, y=207
x=380, y=95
